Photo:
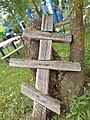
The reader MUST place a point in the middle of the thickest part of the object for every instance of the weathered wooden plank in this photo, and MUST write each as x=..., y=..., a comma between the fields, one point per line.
x=53, y=65
x=56, y=37
x=12, y=52
x=9, y=41
x=62, y=23
x=47, y=23
x=42, y=76
x=41, y=98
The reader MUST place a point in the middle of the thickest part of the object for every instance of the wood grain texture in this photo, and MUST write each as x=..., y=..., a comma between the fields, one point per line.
x=55, y=37
x=47, y=23
x=41, y=98
x=42, y=76
x=62, y=23
x=40, y=64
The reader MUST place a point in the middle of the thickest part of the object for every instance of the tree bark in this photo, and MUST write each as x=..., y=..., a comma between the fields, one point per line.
x=72, y=82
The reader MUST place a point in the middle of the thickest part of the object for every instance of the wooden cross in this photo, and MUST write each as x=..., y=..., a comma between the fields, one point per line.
x=40, y=93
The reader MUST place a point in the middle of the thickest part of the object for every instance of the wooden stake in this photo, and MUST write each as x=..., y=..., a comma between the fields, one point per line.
x=42, y=76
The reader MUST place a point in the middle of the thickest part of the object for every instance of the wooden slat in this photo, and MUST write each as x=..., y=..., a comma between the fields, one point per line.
x=56, y=37
x=42, y=76
x=53, y=65
x=9, y=41
x=47, y=23
x=6, y=56
x=41, y=98
x=62, y=23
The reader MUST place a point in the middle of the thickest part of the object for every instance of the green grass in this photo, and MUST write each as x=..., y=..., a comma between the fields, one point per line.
x=14, y=105
x=2, y=29
x=87, y=53
x=63, y=50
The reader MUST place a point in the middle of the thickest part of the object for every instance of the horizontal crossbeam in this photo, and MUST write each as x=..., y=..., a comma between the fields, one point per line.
x=41, y=98
x=53, y=65
x=62, y=23
x=56, y=37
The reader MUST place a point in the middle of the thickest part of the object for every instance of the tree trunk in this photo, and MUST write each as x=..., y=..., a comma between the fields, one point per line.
x=63, y=84
x=72, y=82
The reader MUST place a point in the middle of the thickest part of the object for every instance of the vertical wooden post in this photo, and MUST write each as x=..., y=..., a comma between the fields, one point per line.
x=42, y=76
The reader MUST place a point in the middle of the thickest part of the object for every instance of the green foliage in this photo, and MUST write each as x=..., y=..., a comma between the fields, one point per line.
x=79, y=108
x=56, y=2
x=14, y=105
x=86, y=2
x=87, y=54
x=63, y=2
x=55, y=118
x=2, y=29
x=80, y=5
x=17, y=7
